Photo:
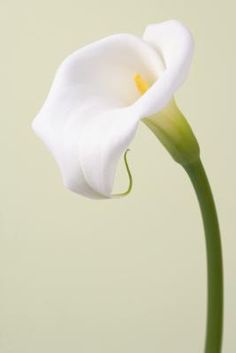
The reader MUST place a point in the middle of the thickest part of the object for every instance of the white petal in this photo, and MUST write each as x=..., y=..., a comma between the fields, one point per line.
x=104, y=140
x=86, y=121
x=174, y=43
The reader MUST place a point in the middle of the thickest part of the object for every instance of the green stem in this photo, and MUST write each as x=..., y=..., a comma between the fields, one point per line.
x=202, y=188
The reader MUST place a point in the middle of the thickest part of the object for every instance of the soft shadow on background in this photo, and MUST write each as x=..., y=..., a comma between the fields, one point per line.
x=116, y=276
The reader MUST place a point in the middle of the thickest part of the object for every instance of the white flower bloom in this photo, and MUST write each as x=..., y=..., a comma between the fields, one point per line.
x=95, y=104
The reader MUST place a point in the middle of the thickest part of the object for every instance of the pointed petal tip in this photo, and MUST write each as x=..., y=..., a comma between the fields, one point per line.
x=90, y=194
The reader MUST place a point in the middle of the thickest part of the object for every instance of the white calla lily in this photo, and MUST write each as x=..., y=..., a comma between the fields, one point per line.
x=95, y=104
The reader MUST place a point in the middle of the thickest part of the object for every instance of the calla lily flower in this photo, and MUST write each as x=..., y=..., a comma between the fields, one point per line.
x=99, y=95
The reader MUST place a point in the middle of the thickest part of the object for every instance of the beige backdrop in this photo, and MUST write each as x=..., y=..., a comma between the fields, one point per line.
x=118, y=276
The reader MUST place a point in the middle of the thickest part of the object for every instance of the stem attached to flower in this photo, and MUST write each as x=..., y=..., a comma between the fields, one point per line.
x=202, y=188
x=176, y=135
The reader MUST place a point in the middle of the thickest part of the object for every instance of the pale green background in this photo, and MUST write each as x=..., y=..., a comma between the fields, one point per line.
x=123, y=276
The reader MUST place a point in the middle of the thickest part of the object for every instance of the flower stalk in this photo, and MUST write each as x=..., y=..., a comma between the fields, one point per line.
x=174, y=132
x=202, y=188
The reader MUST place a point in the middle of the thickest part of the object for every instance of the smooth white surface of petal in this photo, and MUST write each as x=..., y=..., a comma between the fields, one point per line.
x=104, y=140
x=86, y=121
x=174, y=43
